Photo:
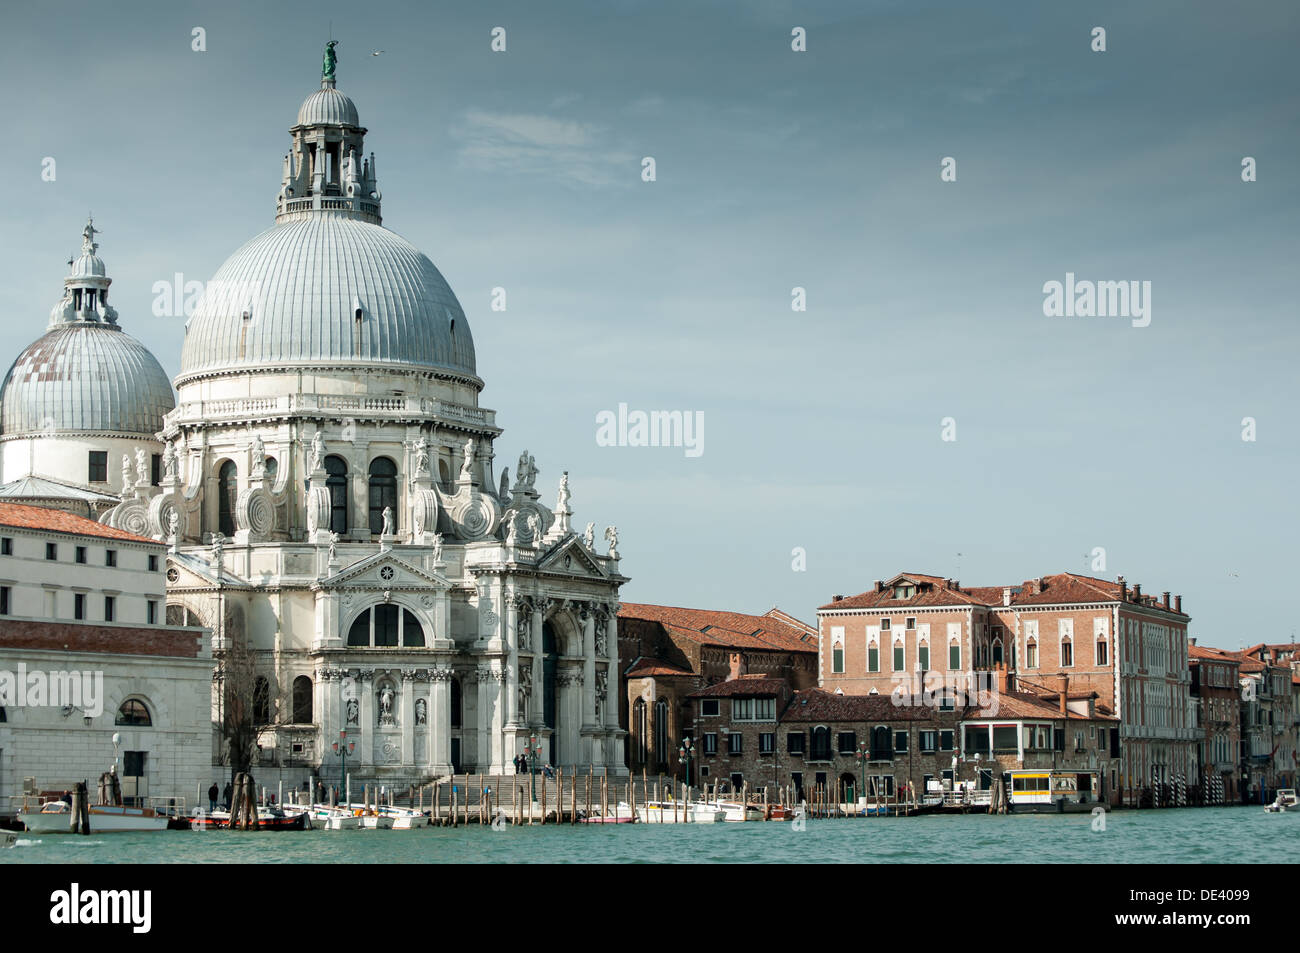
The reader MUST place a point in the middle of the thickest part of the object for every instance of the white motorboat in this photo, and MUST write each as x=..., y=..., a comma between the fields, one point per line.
x=679, y=812
x=55, y=817
x=736, y=811
x=405, y=819
x=1284, y=803
x=333, y=818
x=376, y=822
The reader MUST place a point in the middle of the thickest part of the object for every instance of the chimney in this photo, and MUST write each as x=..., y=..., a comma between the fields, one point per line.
x=836, y=598
x=880, y=586
x=1006, y=596
x=956, y=584
x=1042, y=583
x=1164, y=601
x=1178, y=604
x=1123, y=589
x=1192, y=640
x=737, y=666
x=1065, y=692
x=1137, y=592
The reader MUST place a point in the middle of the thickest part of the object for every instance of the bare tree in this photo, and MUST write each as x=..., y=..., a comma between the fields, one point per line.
x=236, y=688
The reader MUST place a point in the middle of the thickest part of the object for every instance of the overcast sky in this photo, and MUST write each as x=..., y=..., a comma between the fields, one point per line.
x=775, y=169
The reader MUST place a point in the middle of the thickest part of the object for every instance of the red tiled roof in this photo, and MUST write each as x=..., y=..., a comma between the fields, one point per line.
x=742, y=687
x=59, y=521
x=1065, y=587
x=1212, y=654
x=645, y=668
x=731, y=629
x=818, y=705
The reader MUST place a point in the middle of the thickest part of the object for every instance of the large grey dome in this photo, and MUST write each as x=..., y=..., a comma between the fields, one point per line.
x=85, y=376
x=326, y=289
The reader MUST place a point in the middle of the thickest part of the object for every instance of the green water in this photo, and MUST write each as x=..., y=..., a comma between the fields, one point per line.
x=1205, y=835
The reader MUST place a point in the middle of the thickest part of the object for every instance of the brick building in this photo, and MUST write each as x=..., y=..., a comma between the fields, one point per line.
x=1216, y=691
x=1109, y=638
x=666, y=652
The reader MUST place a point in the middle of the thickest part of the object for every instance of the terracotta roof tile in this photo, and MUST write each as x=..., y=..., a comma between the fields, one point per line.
x=732, y=629
x=654, y=667
x=58, y=521
x=742, y=687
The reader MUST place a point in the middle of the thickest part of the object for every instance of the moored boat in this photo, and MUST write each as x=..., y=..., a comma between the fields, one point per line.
x=55, y=817
x=1284, y=803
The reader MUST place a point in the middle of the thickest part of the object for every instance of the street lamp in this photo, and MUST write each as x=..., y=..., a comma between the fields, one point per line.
x=531, y=751
x=343, y=748
x=684, y=755
x=863, y=755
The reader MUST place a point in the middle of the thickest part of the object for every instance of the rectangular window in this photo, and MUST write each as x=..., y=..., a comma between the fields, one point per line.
x=735, y=742
x=794, y=742
x=946, y=740
x=946, y=702
x=873, y=659
x=153, y=563
x=848, y=742
x=155, y=470
x=708, y=707
x=742, y=709
x=884, y=625
x=4, y=600
x=1078, y=741
x=954, y=657
x=98, y=470
x=1031, y=655
x=1102, y=654
x=765, y=709
x=1067, y=653
x=51, y=550
x=153, y=612
x=911, y=622
x=898, y=658
x=110, y=557
x=1004, y=738
x=837, y=660
x=80, y=554
x=6, y=546
x=710, y=742
x=900, y=742
x=79, y=605
x=110, y=607
x=929, y=741
x=923, y=657
x=766, y=742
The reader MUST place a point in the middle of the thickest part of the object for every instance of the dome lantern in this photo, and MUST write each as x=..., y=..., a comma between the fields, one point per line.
x=327, y=171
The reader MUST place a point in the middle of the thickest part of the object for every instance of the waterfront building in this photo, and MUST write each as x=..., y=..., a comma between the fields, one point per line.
x=756, y=731
x=84, y=656
x=1216, y=690
x=1109, y=638
x=80, y=399
x=667, y=652
x=1268, y=729
x=332, y=500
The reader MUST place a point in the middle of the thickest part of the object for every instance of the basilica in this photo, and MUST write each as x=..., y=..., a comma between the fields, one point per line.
x=327, y=486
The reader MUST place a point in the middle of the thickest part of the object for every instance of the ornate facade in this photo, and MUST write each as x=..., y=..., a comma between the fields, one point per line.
x=330, y=499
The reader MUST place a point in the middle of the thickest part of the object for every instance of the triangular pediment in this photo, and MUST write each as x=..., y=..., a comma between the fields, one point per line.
x=190, y=571
x=572, y=557
x=384, y=570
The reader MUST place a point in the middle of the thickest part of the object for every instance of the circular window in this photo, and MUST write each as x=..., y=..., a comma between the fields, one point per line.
x=172, y=574
x=386, y=573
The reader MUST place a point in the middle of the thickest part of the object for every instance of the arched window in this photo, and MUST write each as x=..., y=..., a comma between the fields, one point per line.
x=336, y=481
x=227, y=492
x=821, y=744
x=133, y=714
x=881, y=749
x=271, y=468
x=261, y=701
x=456, y=705
x=302, y=707
x=997, y=651
x=444, y=475
x=639, y=729
x=661, y=732
x=383, y=492
x=383, y=626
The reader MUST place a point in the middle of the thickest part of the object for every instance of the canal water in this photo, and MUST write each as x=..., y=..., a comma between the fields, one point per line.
x=1191, y=835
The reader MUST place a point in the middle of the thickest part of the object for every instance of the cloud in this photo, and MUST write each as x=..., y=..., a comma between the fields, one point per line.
x=540, y=145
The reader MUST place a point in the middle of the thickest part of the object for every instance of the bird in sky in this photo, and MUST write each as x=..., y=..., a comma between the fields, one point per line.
x=375, y=52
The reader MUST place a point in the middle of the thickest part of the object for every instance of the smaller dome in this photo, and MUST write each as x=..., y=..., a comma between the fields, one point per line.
x=88, y=266
x=327, y=106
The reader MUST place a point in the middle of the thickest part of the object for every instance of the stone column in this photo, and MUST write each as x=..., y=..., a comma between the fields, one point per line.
x=511, y=635
x=607, y=632
x=588, y=617
x=440, y=721
x=483, y=703
x=498, y=686
x=366, y=746
x=408, y=718
x=538, y=698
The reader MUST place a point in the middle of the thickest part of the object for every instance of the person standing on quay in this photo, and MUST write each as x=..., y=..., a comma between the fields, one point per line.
x=212, y=797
